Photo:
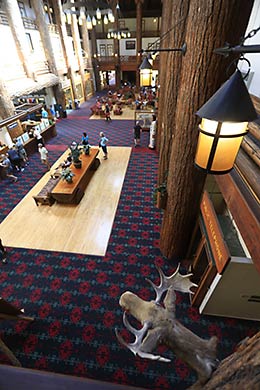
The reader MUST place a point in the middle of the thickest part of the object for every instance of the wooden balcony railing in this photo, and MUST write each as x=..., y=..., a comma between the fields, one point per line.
x=29, y=24
x=3, y=18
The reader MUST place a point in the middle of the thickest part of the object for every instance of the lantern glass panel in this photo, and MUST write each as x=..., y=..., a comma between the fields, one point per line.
x=226, y=153
x=145, y=77
x=203, y=150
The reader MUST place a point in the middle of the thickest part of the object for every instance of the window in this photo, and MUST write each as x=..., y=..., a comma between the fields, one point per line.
x=102, y=49
x=110, y=50
x=29, y=40
x=22, y=9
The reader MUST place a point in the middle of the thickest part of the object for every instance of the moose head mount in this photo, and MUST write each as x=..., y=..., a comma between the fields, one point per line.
x=160, y=326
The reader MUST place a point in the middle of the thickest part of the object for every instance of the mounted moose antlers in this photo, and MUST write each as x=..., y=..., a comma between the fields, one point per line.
x=161, y=327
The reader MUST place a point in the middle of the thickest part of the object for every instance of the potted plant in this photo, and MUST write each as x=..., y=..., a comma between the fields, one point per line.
x=86, y=149
x=160, y=194
x=67, y=174
x=75, y=152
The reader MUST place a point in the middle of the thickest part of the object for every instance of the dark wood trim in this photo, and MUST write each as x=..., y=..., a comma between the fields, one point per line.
x=245, y=210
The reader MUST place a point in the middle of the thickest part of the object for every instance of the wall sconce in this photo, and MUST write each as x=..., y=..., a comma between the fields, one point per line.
x=225, y=117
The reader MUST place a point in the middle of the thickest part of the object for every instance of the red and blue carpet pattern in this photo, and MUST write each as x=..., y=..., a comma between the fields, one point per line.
x=74, y=298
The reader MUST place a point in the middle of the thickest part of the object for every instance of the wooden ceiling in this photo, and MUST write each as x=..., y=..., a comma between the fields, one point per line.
x=151, y=8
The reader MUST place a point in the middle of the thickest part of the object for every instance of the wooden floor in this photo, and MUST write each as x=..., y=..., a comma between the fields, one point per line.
x=84, y=228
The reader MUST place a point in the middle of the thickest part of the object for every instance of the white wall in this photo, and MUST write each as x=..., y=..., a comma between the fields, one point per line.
x=254, y=78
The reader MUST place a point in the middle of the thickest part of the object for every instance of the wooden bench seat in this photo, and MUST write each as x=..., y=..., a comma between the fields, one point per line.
x=44, y=196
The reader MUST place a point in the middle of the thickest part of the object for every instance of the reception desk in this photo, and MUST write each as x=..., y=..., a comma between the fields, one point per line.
x=72, y=193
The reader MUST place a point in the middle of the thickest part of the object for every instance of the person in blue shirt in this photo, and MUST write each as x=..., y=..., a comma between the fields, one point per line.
x=44, y=113
x=103, y=144
x=84, y=139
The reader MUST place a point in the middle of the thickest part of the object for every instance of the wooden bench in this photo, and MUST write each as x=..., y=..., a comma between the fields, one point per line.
x=44, y=196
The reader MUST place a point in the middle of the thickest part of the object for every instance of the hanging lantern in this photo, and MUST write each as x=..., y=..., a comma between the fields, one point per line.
x=105, y=19
x=224, y=123
x=146, y=71
x=98, y=13
x=94, y=21
x=89, y=23
x=108, y=35
x=118, y=35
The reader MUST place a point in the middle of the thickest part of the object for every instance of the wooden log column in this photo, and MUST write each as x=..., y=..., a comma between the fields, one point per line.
x=78, y=51
x=94, y=59
x=209, y=25
x=6, y=104
x=172, y=36
x=64, y=39
x=138, y=39
x=16, y=25
x=47, y=46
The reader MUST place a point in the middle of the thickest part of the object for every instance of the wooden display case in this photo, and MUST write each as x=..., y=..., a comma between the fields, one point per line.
x=228, y=283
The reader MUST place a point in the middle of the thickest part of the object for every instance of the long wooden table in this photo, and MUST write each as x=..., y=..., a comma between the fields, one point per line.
x=73, y=192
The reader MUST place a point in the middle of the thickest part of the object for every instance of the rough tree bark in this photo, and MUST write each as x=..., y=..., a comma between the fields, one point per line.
x=63, y=38
x=210, y=24
x=239, y=371
x=139, y=4
x=172, y=36
x=78, y=51
x=18, y=32
x=6, y=104
x=47, y=46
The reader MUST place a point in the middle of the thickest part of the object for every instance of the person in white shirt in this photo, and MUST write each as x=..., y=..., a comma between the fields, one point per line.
x=38, y=136
x=152, y=133
x=44, y=155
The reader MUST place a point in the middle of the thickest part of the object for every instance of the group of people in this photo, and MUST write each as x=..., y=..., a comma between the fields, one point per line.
x=14, y=160
x=103, y=140
x=137, y=133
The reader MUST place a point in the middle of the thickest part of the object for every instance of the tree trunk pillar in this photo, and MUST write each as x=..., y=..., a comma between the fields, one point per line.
x=16, y=24
x=138, y=40
x=209, y=25
x=64, y=38
x=6, y=105
x=172, y=36
x=47, y=46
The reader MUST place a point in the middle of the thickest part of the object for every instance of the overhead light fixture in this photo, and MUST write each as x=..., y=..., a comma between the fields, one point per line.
x=98, y=13
x=224, y=123
x=89, y=23
x=94, y=8
x=118, y=34
x=94, y=21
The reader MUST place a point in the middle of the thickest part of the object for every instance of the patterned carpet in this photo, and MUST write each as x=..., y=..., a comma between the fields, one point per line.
x=74, y=298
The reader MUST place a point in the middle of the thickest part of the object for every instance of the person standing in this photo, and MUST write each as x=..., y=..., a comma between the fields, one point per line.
x=14, y=158
x=20, y=150
x=6, y=163
x=153, y=128
x=107, y=112
x=38, y=136
x=44, y=155
x=137, y=134
x=44, y=113
x=84, y=139
x=103, y=144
